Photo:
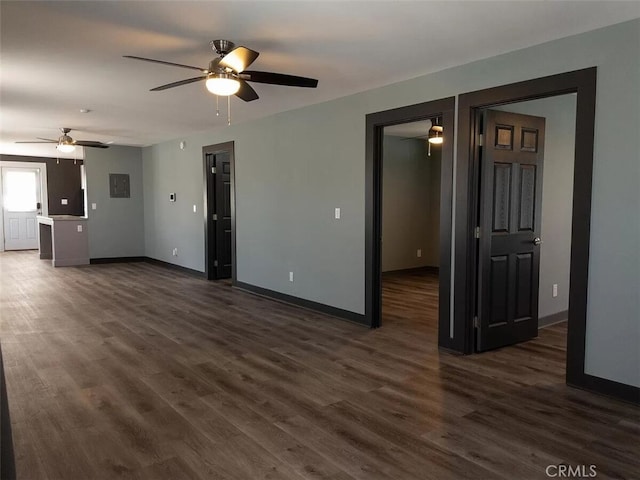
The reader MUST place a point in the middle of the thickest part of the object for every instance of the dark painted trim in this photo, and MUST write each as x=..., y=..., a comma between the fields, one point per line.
x=208, y=242
x=583, y=83
x=7, y=459
x=375, y=123
x=178, y=268
x=553, y=319
x=98, y=261
x=301, y=302
x=429, y=269
x=154, y=261
x=609, y=388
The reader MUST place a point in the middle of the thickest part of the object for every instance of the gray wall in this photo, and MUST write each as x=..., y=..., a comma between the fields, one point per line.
x=557, y=195
x=410, y=179
x=116, y=227
x=170, y=225
x=294, y=168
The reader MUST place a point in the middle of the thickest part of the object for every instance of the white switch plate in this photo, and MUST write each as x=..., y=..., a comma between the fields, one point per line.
x=419, y=253
x=175, y=252
x=195, y=209
x=79, y=228
x=555, y=290
x=64, y=201
x=337, y=213
x=93, y=206
x=291, y=276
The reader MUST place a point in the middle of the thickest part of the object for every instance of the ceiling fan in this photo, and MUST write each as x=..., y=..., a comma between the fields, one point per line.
x=227, y=74
x=66, y=144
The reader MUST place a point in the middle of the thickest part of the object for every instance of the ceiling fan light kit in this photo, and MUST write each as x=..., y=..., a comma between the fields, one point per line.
x=222, y=84
x=65, y=147
x=226, y=75
x=66, y=144
x=435, y=132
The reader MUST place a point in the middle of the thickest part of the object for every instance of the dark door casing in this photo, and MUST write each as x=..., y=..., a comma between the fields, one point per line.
x=219, y=212
x=510, y=225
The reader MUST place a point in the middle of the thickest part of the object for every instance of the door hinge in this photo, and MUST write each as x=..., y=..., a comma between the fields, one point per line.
x=477, y=232
x=213, y=169
x=214, y=216
x=215, y=263
x=475, y=322
x=480, y=140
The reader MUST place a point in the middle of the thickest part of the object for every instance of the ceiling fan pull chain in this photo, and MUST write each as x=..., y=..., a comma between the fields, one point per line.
x=229, y=110
x=217, y=106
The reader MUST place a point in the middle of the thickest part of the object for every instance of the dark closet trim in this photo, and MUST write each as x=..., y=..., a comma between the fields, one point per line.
x=209, y=240
x=177, y=268
x=303, y=303
x=553, y=319
x=583, y=83
x=100, y=261
x=373, y=206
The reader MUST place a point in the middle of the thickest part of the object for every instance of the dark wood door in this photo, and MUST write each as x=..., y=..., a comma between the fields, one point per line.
x=510, y=221
x=219, y=208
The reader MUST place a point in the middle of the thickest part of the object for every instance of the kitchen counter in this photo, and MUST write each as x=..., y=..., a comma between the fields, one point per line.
x=63, y=239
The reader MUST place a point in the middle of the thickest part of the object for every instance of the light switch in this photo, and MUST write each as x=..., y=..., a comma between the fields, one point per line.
x=93, y=206
x=64, y=201
x=79, y=228
x=195, y=209
x=337, y=213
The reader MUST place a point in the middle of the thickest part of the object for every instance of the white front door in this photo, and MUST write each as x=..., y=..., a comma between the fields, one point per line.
x=21, y=203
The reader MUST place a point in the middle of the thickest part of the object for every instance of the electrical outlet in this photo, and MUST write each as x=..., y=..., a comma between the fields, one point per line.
x=337, y=213
x=555, y=290
x=419, y=253
x=79, y=228
x=64, y=201
x=175, y=252
x=93, y=206
x=291, y=276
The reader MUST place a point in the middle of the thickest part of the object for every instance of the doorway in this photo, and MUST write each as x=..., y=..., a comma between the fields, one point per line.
x=410, y=246
x=376, y=123
x=583, y=84
x=23, y=190
x=526, y=188
x=219, y=211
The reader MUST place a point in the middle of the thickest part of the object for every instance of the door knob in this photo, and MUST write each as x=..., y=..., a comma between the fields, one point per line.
x=537, y=241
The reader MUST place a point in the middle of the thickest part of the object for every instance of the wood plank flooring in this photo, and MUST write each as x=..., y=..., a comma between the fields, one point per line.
x=136, y=371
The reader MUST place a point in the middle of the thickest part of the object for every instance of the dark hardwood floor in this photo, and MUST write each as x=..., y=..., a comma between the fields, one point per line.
x=137, y=371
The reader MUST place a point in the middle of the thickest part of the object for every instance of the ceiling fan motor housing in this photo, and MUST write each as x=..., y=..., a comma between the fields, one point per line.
x=222, y=46
x=65, y=140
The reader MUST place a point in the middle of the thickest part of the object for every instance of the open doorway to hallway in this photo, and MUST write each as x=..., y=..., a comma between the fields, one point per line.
x=411, y=226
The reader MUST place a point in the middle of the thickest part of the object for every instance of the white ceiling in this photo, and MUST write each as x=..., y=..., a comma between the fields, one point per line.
x=409, y=130
x=58, y=57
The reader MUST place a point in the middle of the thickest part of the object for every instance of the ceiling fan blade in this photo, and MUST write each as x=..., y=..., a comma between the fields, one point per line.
x=166, y=63
x=46, y=141
x=246, y=92
x=279, y=79
x=177, y=84
x=239, y=58
x=89, y=143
